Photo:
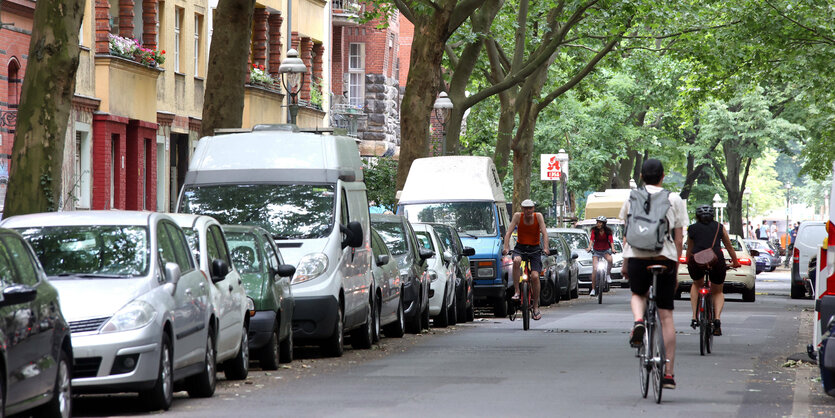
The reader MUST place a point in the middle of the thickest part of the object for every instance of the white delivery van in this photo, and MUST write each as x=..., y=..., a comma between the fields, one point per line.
x=809, y=238
x=465, y=192
x=308, y=191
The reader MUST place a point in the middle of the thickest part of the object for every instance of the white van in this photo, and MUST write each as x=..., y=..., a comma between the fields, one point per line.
x=809, y=238
x=308, y=191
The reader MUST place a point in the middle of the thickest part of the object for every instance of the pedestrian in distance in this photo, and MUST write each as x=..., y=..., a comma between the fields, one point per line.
x=670, y=230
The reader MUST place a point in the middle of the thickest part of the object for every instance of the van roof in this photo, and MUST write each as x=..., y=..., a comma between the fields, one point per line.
x=606, y=203
x=452, y=179
x=310, y=157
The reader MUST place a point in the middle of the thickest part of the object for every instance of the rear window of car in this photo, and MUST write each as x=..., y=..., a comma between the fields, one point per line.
x=393, y=235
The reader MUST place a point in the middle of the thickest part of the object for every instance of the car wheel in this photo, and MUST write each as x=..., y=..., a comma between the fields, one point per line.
x=413, y=323
x=285, y=349
x=424, y=319
x=161, y=395
x=334, y=346
x=500, y=308
x=798, y=291
x=203, y=384
x=269, y=354
x=461, y=303
x=378, y=312
x=61, y=403
x=397, y=328
x=547, y=293
x=238, y=367
x=470, y=313
x=749, y=295
x=576, y=292
x=442, y=319
x=363, y=336
x=452, y=312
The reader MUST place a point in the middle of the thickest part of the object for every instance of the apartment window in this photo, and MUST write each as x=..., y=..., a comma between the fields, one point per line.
x=356, y=74
x=178, y=22
x=81, y=183
x=198, y=26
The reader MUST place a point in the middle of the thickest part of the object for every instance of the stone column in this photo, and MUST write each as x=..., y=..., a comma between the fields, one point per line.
x=275, y=21
x=259, y=37
x=126, y=18
x=304, y=54
x=149, y=23
x=102, y=26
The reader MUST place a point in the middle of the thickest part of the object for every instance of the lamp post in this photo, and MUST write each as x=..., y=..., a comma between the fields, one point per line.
x=292, y=70
x=562, y=157
x=747, y=195
x=441, y=110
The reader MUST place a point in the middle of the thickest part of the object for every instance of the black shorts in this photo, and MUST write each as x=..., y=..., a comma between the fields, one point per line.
x=530, y=253
x=716, y=275
x=640, y=279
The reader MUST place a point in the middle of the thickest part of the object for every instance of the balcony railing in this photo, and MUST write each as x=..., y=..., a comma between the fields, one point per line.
x=346, y=12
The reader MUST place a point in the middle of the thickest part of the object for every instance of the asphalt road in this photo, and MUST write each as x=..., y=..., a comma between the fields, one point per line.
x=573, y=362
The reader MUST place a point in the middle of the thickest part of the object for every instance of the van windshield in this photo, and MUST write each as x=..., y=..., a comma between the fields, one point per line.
x=288, y=211
x=470, y=218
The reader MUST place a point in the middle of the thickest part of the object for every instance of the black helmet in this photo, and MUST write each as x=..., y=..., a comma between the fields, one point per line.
x=704, y=213
x=602, y=219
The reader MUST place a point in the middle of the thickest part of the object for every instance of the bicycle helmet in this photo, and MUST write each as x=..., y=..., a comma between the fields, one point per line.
x=704, y=213
x=602, y=219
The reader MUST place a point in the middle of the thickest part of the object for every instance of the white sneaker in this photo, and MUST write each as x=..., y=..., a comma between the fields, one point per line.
x=592, y=293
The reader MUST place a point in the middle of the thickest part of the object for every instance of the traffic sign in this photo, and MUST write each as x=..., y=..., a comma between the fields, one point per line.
x=550, y=167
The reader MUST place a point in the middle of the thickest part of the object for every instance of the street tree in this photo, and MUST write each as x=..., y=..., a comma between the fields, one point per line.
x=45, y=105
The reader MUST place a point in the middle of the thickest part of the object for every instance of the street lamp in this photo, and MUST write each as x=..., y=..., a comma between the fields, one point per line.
x=562, y=157
x=747, y=195
x=718, y=204
x=441, y=110
x=292, y=70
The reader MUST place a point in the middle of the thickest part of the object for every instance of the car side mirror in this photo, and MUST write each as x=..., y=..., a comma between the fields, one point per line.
x=424, y=253
x=382, y=260
x=447, y=256
x=286, y=270
x=171, y=271
x=17, y=294
x=754, y=253
x=574, y=255
x=468, y=251
x=502, y=230
x=219, y=270
x=353, y=234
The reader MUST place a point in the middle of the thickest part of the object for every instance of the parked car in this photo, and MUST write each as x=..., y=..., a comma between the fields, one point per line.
x=399, y=237
x=442, y=302
x=266, y=279
x=32, y=332
x=767, y=252
x=810, y=235
x=742, y=280
x=578, y=241
x=458, y=262
x=763, y=262
x=387, y=289
x=561, y=272
x=229, y=303
x=308, y=191
x=617, y=264
x=152, y=322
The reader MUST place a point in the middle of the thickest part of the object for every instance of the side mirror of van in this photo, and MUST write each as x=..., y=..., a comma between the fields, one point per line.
x=286, y=270
x=353, y=234
x=382, y=260
x=171, y=272
x=468, y=252
x=219, y=270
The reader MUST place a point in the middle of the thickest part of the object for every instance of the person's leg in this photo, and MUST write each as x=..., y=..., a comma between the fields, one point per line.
x=534, y=279
x=669, y=331
x=694, y=295
x=639, y=305
x=609, y=265
x=718, y=299
x=593, y=272
x=517, y=262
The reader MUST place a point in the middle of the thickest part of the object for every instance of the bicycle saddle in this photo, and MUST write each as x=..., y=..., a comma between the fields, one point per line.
x=657, y=268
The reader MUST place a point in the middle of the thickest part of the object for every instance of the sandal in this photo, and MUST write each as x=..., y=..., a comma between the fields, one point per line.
x=536, y=316
x=515, y=296
x=694, y=323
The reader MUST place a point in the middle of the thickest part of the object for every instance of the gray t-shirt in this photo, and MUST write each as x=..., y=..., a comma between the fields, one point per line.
x=676, y=218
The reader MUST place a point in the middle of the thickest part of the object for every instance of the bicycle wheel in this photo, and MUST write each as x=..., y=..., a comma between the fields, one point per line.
x=709, y=336
x=600, y=289
x=659, y=359
x=644, y=365
x=526, y=305
x=703, y=326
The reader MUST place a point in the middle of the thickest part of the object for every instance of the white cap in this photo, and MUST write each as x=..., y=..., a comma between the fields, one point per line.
x=527, y=203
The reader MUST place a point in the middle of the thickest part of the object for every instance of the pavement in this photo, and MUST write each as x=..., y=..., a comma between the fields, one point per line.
x=575, y=362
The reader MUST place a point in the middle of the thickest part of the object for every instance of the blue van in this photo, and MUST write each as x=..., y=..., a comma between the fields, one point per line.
x=465, y=192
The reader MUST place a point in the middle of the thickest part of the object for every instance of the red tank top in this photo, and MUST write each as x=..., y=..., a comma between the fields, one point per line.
x=528, y=234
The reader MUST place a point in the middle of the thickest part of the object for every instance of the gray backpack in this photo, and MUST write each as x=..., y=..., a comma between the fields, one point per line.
x=646, y=223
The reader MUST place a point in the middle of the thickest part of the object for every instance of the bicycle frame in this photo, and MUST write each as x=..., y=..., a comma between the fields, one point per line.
x=651, y=355
x=705, y=317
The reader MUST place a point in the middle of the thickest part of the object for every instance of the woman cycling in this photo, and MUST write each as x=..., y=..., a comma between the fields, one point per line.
x=707, y=233
x=601, y=239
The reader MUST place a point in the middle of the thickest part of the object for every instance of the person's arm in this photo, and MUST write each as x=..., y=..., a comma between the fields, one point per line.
x=512, y=227
x=591, y=240
x=727, y=241
x=544, y=233
x=689, y=254
x=678, y=236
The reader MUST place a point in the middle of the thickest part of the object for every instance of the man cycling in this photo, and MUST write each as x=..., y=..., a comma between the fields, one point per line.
x=602, y=245
x=530, y=232
x=701, y=236
x=636, y=261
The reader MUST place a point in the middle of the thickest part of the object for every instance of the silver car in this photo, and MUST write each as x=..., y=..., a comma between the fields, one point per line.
x=578, y=240
x=442, y=301
x=230, y=305
x=138, y=307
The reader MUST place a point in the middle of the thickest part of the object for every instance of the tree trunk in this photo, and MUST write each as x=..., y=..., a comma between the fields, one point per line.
x=423, y=80
x=507, y=122
x=45, y=106
x=522, y=153
x=223, y=101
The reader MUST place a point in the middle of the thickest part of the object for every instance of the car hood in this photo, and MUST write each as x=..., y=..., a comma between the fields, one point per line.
x=96, y=298
x=582, y=254
x=294, y=250
x=485, y=247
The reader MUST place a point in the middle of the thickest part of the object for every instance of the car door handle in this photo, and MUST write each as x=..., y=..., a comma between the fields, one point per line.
x=230, y=288
x=239, y=281
x=188, y=292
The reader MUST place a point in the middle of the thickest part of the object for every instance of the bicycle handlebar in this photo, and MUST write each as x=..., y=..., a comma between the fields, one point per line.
x=551, y=251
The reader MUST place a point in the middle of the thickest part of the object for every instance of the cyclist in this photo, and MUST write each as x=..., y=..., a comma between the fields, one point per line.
x=636, y=261
x=602, y=246
x=700, y=236
x=530, y=232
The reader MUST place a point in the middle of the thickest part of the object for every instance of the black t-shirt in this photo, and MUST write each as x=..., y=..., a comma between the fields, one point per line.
x=702, y=235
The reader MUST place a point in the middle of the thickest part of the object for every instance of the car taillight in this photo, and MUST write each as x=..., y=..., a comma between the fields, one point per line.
x=682, y=260
x=745, y=261
x=796, y=256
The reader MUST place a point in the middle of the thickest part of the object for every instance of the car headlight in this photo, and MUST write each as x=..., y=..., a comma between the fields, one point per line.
x=250, y=306
x=134, y=315
x=310, y=267
x=487, y=273
x=618, y=263
x=585, y=263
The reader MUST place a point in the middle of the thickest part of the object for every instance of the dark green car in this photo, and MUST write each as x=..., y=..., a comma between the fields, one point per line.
x=267, y=282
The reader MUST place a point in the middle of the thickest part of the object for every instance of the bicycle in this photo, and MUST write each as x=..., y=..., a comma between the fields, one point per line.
x=602, y=283
x=706, y=313
x=524, y=304
x=651, y=355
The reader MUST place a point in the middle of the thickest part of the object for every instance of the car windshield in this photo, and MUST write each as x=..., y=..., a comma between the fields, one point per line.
x=470, y=218
x=288, y=211
x=576, y=241
x=393, y=235
x=245, y=254
x=91, y=250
